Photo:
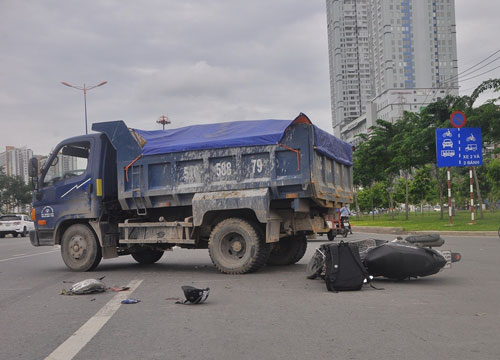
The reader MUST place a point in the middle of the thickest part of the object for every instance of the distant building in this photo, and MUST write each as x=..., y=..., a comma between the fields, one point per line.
x=412, y=53
x=349, y=57
x=64, y=164
x=14, y=161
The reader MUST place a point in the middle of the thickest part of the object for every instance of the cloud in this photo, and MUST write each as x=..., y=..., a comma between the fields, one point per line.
x=197, y=61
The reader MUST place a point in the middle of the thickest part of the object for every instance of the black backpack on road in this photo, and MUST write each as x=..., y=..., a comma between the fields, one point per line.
x=344, y=269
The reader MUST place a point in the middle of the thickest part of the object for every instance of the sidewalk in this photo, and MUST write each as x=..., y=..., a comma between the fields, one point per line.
x=399, y=231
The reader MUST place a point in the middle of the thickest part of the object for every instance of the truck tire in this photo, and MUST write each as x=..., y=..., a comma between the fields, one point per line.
x=236, y=247
x=147, y=256
x=80, y=248
x=288, y=250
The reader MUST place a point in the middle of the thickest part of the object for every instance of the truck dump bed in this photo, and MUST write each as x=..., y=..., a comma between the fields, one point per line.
x=291, y=158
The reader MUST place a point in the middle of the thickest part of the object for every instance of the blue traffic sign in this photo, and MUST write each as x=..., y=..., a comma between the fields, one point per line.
x=459, y=147
x=458, y=119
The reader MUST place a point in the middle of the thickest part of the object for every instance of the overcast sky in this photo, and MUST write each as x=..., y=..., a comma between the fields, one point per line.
x=197, y=61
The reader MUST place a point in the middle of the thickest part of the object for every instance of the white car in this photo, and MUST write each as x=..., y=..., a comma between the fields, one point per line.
x=15, y=225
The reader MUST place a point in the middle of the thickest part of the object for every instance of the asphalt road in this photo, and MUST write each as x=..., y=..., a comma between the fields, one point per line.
x=275, y=313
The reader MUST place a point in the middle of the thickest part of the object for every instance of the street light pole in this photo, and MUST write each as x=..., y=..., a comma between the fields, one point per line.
x=84, y=89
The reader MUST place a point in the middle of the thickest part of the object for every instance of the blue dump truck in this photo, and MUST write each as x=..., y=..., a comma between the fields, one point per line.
x=248, y=191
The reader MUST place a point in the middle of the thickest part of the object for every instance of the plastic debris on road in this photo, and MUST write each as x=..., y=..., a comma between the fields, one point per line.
x=88, y=286
x=130, y=301
x=121, y=288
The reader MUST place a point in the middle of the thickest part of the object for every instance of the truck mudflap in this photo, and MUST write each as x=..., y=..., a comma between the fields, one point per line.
x=34, y=238
x=46, y=240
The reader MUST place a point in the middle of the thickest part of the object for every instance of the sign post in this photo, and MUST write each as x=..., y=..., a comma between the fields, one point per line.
x=459, y=146
x=450, y=212
x=471, y=196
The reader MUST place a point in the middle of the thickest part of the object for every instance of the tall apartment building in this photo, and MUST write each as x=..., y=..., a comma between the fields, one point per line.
x=412, y=56
x=64, y=164
x=349, y=57
x=14, y=161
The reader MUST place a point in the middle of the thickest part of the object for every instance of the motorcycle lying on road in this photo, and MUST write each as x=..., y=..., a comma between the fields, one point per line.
x=342, y=227
x=398, y=259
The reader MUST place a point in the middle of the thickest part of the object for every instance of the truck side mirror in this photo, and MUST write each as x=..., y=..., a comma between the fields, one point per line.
x=33, y=167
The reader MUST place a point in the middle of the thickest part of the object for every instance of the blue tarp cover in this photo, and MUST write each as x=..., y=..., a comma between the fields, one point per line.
x=236, y=134
x=332, y=147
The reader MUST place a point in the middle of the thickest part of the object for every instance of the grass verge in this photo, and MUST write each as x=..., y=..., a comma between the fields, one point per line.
x=432, y=221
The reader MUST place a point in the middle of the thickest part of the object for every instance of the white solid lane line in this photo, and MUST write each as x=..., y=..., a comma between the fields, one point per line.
x=68, y=349
x=25, y=256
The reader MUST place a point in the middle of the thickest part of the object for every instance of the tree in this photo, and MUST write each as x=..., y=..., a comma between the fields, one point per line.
x=4, y=181
x=493, y=175
x=406, y=149
x=399, y=191
x=383, y=134
x=367, y=168
x=13, y=192
x=377, y=196
x=421, y=187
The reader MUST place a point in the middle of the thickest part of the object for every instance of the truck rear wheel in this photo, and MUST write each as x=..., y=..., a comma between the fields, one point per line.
x=147, y=256
x=80, y=248
x=288, y=250
x=236, y=247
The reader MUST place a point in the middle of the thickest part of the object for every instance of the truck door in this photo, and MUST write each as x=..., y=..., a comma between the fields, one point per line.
x=65, y=186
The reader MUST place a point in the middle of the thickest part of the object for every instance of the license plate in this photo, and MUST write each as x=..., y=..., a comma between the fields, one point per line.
x=346, y=224
x=447, y=255
x=330, y=224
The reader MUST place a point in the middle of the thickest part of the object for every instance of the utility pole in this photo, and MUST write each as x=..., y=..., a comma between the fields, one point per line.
x=163, y=120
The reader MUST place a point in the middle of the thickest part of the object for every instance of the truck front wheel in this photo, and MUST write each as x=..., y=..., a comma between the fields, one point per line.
x=147, y=256
x=80, y=248
x=288, y=250
x=236, y=247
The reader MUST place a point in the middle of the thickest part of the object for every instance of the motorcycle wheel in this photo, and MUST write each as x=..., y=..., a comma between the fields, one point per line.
x=315, y=266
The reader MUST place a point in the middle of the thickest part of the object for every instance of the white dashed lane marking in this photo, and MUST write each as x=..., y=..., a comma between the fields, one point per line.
x=68, y=349
x=20, y=256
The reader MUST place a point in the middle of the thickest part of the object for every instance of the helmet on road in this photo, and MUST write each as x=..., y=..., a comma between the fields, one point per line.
x=194, y=295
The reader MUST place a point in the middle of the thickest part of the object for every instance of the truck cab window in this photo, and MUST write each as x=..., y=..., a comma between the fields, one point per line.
x=71, y=161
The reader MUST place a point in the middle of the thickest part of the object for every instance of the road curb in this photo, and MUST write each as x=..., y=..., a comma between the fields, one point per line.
x=379, y=229
x=400, y=231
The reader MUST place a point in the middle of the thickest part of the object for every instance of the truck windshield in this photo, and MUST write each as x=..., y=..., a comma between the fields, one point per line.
x=71, y=161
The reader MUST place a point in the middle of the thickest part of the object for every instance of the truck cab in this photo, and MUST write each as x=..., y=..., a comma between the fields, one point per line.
x=73, y=182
